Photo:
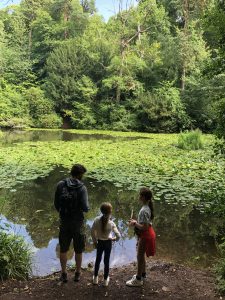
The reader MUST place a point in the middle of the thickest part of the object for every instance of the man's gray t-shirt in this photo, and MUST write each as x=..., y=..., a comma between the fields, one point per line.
x=144, y=216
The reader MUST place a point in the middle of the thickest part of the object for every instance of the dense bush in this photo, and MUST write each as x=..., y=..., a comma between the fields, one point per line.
x=15, y=257
x=14, y=111
x=220, y=270
x=162, y=110
x=82, y=116
x=115, y=117
x=49, y=121
x=190, y=140
x=41, y=109
x=221, y=118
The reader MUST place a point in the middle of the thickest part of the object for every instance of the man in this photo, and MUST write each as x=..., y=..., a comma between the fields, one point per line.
x=71, y=201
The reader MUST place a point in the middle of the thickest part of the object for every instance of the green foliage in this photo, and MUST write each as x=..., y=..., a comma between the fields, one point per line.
x=221, y=118
x=162, y=110
x=15, y=257
x=116, y=117
x=177, y=175
x=154, y=67
x=51, y=120
x=82, y=116
x=220, y=270
x=219, y=146
x=41, y=109
x=21, y=108
x=66, y=68
x=191, y=140
x=14, y=110
x=38, y=104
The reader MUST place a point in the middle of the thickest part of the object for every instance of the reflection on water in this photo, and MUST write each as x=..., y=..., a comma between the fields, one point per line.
x=182, y=233
x=19, y=136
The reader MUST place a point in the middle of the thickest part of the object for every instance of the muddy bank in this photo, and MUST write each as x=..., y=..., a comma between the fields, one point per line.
x=165, y=281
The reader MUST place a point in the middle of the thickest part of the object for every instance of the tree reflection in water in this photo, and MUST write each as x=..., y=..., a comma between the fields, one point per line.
x=183, y=232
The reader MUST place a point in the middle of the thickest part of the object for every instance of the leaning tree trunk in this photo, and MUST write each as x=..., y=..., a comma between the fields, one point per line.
x=186, y=24
x=183, y=78
x=118, y=89
x=30, y=41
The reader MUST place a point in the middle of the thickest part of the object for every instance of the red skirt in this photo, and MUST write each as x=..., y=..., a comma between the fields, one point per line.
x=149, y=236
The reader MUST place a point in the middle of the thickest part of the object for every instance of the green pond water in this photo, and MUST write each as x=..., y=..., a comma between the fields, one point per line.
x=183, y=232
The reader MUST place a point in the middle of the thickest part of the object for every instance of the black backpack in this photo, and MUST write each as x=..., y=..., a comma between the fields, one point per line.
x=69, y=202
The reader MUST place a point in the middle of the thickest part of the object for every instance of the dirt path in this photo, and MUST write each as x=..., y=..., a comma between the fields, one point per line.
x=165, y=281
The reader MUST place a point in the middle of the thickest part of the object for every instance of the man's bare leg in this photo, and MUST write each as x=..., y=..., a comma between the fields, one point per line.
x=63, y=261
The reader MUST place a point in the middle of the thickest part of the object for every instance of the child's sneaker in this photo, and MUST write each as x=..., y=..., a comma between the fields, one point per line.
x=134, y=282
x=106, y=281
x=143, y=276
x=95, y=280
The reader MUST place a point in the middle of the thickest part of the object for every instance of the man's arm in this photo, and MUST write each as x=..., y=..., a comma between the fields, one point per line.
x=84, y=199
x=57, y=195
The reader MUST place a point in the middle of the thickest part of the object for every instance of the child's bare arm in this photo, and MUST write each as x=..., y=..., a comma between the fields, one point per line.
x=141, y=226
x=117, y=233
x=93, y=234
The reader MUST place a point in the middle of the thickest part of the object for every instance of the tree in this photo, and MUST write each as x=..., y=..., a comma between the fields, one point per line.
x=29, y=9
x=136, y=47
x=70, y=19
x=17, y=66
x=162, y=110
x=88, y=6
x=66, y=68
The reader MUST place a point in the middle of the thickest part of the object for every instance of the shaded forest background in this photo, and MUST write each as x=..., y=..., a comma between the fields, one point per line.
x=156, y=67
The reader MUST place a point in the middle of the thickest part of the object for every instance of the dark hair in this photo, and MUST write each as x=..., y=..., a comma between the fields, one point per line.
x=106, y=209
x=147, y=194
x=77, y=170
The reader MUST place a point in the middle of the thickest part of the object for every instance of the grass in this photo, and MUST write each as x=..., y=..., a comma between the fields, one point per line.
x=191, y=140
x=15, y=257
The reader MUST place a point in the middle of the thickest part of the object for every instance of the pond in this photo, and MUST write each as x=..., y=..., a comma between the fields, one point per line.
x=19, y=136
x=182, y=230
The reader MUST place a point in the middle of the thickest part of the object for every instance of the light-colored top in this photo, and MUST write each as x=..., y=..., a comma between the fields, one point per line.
x=98, y=234
x=144, y=216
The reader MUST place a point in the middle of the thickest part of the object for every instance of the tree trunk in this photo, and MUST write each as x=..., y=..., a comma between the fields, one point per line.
x=183, y=78
x=186, y=24
x=30, y=41
x=139, y=32
x=118, y=89
x=66, y=18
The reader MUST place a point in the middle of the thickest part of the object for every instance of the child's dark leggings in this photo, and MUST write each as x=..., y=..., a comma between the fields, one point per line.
x=106, y=247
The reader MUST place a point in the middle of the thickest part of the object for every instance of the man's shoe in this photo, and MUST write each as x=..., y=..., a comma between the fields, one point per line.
x=77, y=277
x=106, y=281
x=95, y=280
x=63, y=278
x=134, y=282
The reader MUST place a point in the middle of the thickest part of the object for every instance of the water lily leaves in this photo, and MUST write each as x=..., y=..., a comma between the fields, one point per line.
x=174, y=175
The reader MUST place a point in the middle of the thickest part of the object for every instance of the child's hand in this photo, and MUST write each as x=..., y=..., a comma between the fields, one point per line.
x=132, y=222
x=113, y=239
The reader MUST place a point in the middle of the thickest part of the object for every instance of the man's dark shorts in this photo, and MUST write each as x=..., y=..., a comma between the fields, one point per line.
x=69, y=231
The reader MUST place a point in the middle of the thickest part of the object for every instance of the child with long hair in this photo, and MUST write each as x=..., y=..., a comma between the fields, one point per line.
x=102, y=237
x=146, y=235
